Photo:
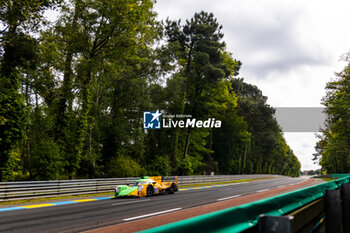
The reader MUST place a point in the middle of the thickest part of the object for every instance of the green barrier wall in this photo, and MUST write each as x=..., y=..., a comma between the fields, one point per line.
x=240, y=218
x=340, y=175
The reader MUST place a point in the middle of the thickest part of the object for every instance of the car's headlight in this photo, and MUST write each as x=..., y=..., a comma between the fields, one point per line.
x=117, y=189
x=140, y=188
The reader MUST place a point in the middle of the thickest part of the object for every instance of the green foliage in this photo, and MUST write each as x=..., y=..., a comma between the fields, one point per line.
x=202, y=64
x=46, y=160
x=267, y=150
x=334, y=145
x=160, y=166
x=26, y=14
x=231, y=144
x=183, y=167
x=18, y=51
x=13, y=167
x=124, y=166
x=12, y=124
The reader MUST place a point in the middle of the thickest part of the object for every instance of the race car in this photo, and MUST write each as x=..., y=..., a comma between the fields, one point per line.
x=146, y=187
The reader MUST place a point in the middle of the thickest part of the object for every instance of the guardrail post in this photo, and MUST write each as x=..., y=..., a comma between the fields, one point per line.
x=345, y=195
x=333, y=211
x=58, y=187
x=5, y=192
x=275, y=224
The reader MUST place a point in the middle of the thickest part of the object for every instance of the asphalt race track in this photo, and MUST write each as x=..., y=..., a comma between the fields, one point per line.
x=90, y=215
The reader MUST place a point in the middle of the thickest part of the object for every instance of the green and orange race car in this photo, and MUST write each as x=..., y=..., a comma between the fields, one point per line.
x=146, y=187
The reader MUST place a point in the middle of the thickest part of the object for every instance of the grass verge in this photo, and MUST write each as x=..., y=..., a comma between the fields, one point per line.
x=325, y=179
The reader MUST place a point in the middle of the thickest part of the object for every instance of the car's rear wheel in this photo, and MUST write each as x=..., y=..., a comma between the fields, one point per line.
x=172, y=188
x=149, y=190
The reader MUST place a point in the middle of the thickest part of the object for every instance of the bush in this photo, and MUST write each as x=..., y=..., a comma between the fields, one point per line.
x=160, y=166
x=184, y=167
x=45, y=160
x=12, y=169
x=124, y=166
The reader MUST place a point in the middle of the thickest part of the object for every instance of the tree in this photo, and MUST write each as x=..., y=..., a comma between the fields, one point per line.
x=105, y=44
x=202, y=62
x=268, y=149
x=18, y=50
x=72, y=97
x=335, y=141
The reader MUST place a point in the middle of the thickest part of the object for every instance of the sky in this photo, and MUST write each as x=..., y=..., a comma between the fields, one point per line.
x=289, y=49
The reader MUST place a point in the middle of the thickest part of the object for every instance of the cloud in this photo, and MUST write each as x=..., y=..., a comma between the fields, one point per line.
x=264, y=36
x=268, y=41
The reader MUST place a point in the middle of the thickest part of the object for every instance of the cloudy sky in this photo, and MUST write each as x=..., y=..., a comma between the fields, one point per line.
x=290, y=49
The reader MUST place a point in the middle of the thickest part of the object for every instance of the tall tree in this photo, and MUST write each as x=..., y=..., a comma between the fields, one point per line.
x=101, y=41
x=268, y=149
x=335, y=142
x=18, y=48
x=199, y=50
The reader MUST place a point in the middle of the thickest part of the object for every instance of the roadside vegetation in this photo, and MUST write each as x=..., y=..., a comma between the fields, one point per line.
x=333, y=148
x=73, y=93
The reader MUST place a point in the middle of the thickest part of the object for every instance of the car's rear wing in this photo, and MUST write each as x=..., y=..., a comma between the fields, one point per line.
x=157, y=179
x=169, y=179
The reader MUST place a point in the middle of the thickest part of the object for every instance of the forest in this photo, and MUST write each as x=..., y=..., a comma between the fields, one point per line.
x=333, y=148
x=73, y=92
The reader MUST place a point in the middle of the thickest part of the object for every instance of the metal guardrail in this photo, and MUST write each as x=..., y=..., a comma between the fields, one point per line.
x=330, y=213
x=10, y=191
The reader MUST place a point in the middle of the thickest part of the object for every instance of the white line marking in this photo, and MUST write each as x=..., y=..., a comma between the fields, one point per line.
x=263, y=190
x=225, y=198
x=282, y=186
x=130, y=202
x=152, y=214
x=291, y=184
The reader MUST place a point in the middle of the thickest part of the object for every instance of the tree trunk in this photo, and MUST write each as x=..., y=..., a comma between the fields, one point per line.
x=244, y=156
x=188, y=136
x=83, y=121
x=195, y=104
x=182, y=111
x=66, y=90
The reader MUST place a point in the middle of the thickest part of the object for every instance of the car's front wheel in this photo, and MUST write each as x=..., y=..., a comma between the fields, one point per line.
x=149, y=190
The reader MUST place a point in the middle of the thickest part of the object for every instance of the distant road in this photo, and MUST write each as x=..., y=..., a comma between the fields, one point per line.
x=90, y=215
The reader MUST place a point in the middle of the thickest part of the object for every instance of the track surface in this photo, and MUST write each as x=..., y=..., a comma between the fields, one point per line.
x=91, y=215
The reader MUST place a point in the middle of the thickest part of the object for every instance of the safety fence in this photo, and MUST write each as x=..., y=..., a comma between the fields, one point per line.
x=41, y=189
x=320, y=208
